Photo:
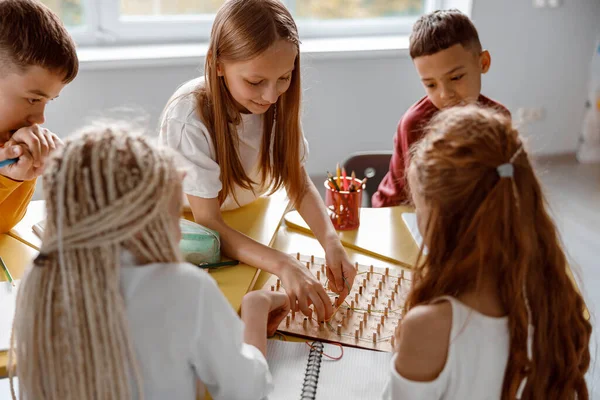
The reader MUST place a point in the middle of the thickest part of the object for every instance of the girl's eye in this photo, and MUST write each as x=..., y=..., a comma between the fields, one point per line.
x=457, y=78
x=33, y=101
x=254, y=83
x=285, y=79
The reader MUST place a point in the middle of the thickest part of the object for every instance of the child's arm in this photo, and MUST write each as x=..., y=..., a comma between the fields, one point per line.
x=299, y=283
x=422, y=342
x=313, y=211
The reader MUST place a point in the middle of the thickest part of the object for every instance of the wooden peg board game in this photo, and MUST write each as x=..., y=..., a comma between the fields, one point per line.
x=367, y=318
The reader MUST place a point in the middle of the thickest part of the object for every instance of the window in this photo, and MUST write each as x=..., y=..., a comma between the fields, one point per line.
x=152, y=21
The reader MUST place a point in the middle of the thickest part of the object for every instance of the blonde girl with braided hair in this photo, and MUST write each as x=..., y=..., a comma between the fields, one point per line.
x=492, y=312
x=239, y=135
x=109, y=310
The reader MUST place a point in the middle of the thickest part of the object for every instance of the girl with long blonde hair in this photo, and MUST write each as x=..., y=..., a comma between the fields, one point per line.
x=109, y=310
x=239, y=135
x=492, y=311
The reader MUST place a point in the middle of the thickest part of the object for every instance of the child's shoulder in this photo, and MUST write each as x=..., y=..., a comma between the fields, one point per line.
x=424, y=341
x=179, y=279
x=418, y=114
x=183, y=104
x=433, y=318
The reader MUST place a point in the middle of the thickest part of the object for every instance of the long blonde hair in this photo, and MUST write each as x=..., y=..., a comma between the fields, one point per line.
x=106, y=191
x=481, y=224
x=243, y=29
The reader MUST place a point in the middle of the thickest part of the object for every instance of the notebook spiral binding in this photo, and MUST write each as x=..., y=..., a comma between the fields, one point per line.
x=311, y=375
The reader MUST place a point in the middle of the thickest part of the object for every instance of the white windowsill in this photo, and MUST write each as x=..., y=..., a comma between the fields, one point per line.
x=117, y=57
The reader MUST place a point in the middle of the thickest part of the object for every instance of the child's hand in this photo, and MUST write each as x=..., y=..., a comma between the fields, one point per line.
x=39, y=141
x=340, y=271
x=279, y=309
x=303, y=290
x=260, y=302
x=23, y=169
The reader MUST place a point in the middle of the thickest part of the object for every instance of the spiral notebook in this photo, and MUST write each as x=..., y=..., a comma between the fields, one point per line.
x=300, y=372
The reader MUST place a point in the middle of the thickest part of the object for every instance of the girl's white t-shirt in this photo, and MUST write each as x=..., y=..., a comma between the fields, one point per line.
x=183, y=130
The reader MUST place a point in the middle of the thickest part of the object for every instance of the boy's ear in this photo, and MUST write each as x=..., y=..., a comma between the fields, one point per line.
x=485, y=60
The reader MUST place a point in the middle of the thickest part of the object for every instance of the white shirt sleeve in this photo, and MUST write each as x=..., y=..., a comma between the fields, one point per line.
x=229, y=368
x=400, y=388
x=196, y=155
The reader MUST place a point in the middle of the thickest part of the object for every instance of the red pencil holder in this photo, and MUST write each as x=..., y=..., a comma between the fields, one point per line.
x=344, y=206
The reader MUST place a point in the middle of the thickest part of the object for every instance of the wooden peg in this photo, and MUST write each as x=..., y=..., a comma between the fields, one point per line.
x=371, y=269
x=360, y=290
x=356, y=297
x=312, y=259
x=287, y=321
x=356, y=334
x=339, y=329
x=374, y=337
x=387, y=271
x=392, y=340
x=352, y=304
x=368, y=308
x=305, y=323
x=298, y=256
x=278, y=284
x=272, y=288
x=307, y=265
x=318, y=275
x=382, y=319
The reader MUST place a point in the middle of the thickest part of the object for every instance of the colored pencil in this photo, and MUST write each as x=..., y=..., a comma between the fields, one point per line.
x=7, y=272
x=5, y=163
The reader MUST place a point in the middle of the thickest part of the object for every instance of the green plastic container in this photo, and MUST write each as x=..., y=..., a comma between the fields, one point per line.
x=199, y=245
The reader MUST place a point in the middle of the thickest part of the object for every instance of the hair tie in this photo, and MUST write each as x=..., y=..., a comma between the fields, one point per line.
x=507, y=170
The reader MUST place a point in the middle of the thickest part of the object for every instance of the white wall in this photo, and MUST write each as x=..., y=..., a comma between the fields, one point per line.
x=540, y=58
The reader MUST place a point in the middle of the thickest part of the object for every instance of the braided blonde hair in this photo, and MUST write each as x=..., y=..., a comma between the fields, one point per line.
x=106, y=191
